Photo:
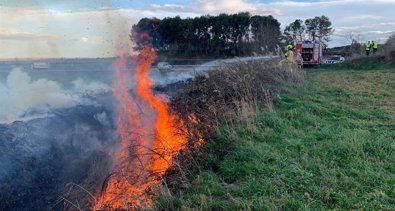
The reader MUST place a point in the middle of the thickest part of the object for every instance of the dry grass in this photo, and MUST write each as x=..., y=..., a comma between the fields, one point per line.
x=235, y=92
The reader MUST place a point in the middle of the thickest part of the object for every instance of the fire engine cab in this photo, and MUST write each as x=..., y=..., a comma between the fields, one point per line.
x=308, y=53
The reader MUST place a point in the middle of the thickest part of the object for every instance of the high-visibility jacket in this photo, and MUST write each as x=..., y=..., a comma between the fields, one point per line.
x=289, y=55
x=367, y=45
x=375, y=45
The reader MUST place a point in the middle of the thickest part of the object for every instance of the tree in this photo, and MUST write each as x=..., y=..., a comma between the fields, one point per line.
x=265, y=33
x=171, y=31
x=319, y=28
x=146, y=30
x=239, y=25
x=295, y=31
x=202, y=36
x=229, y=35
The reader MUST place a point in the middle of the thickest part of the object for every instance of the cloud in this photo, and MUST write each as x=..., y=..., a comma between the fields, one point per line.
x=326, y=3
x=84, y=39
x=365, y=27
x=381, y=32
x=64, y=5
x=363, y=17
x=347, y=16
x=216, y=7
x=93, y=40
x=167, y=7
x=75, y=34
x=28, y=36
x=94, y=28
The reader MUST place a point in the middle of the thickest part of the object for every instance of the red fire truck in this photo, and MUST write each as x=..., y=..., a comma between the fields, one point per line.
x=308, y=53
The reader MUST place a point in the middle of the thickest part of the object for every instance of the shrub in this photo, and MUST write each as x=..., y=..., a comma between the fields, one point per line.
x=389, y=49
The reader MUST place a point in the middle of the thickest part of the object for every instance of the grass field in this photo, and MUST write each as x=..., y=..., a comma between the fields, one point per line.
x=330, y=146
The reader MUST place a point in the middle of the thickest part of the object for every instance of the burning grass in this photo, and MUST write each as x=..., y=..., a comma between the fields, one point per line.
x=149, y=135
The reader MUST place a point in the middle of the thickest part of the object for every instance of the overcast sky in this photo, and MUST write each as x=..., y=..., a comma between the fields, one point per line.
x=99, y=28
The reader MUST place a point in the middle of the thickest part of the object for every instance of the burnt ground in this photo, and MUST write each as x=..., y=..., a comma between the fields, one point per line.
x=38, y=158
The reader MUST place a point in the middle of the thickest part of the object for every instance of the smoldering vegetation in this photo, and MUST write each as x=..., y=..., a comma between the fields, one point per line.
x=56, y=144
x=40, y=157
x=214, y=106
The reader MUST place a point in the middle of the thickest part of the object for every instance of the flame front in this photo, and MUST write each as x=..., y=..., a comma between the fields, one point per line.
x=168, y=141
x=147, y=148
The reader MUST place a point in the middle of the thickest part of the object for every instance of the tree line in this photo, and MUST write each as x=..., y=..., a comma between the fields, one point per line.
x=222, y=35
x=226, y=34
x=317, y=28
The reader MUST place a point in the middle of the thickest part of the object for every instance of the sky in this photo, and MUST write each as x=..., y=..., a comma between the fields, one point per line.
x=100, y=28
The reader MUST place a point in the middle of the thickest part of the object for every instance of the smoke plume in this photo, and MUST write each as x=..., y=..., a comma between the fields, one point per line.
x=23, y=98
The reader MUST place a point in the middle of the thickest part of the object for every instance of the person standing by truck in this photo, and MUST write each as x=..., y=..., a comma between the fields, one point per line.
x=375, y=46
x=367, y=47
x=290, y=46
x=289, y=54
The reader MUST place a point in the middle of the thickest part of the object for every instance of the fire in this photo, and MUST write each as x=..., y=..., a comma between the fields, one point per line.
x=168, y=140
x=147, y=148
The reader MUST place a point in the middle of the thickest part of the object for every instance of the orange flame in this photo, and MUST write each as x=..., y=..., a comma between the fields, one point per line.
x=168, y=140
x=145, y=152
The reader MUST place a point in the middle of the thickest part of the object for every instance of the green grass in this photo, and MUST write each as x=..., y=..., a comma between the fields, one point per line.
x=375, y=62
x=331, y=147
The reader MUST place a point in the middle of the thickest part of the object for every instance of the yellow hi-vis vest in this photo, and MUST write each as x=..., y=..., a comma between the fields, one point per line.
x=375, y=45
x=367, y=46
x=289, y=55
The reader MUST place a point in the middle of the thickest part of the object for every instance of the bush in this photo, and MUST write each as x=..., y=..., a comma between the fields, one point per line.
x=389, y=49
x=353, y=50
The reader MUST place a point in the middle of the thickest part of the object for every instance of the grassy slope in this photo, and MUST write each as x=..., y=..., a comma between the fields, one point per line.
x=331, y=148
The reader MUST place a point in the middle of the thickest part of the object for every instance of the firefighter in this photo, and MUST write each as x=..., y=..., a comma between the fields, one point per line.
x=367, y=47
x=290, y=46
x=289, y=52
x=289, y=55
x=375, y=46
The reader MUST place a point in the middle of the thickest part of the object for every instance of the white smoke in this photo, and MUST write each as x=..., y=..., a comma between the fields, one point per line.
x=103, y=119
x=21, y=98
x=92, y=88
